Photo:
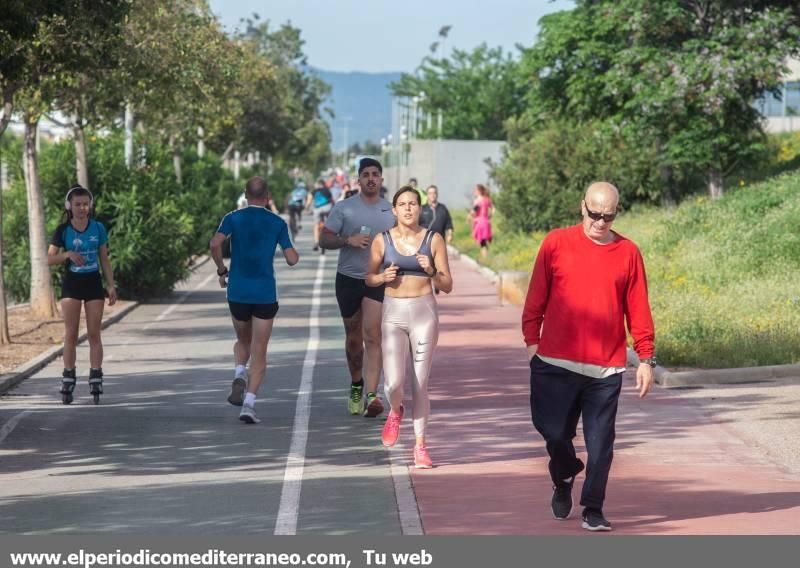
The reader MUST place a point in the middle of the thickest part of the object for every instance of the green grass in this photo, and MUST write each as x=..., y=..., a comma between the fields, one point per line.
x=724, y=276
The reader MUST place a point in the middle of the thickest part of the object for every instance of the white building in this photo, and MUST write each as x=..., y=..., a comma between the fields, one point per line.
x=782, y=114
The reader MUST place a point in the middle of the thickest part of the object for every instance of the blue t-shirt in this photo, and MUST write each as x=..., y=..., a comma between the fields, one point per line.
x=87, y=243
x=322, y=196
x=255, y=233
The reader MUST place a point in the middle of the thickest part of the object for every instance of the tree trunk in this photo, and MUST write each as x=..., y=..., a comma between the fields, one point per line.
x=201, y=143
x=80, y=156
x=43, y=303
x=226, y=155
x=5, y=336
x=715, y=183
x=8, y=107
x=175, y=146
x=669, y=197
x=237, y=158
x=3, y=174
x=129, y=135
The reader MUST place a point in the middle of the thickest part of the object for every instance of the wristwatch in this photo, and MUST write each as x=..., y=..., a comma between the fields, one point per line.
x=222, y=271
x=650, y=361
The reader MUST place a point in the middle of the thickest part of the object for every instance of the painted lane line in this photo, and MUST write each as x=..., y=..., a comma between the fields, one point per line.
x=182, y=299
x=410, y=521
x=286, y=523
x=168, y=310
x=9, y=426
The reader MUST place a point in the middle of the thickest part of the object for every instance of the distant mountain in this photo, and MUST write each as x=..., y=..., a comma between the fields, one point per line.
x=363, y=97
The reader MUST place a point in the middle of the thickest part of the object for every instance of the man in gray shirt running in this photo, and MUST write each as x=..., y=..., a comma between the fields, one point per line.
x=351, y=226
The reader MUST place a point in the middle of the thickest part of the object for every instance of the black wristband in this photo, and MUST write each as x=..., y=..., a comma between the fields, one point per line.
x=223, y=272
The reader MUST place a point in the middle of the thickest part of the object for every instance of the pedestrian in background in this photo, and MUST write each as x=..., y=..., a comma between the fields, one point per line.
x=480, y=217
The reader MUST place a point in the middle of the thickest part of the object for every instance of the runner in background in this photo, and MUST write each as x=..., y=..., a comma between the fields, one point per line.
x=295, y=204
x=255, y=232
x=320, y=201
x=351, y=227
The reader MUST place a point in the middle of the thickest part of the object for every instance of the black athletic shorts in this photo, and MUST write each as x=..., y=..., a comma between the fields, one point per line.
x=243, y=312
x=86, y=286
x=350, y=292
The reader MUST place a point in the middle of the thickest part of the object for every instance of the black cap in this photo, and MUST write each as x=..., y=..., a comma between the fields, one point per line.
x=367, y=162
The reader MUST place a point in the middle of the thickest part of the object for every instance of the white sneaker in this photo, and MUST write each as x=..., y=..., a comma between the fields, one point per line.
x=238, y=386
x=248, y=415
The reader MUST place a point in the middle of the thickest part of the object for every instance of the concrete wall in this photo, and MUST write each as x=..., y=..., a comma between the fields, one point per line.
x=794, y=70
x=776, y=124
x=455, y=166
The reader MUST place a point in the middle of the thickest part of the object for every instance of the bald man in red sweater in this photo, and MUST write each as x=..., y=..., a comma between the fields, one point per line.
x=587, y=283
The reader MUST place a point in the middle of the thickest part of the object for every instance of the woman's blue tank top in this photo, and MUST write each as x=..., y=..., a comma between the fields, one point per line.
x=407, y=265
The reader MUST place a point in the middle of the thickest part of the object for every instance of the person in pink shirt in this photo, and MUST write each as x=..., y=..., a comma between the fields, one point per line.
x=588, y=282
x=480, y=216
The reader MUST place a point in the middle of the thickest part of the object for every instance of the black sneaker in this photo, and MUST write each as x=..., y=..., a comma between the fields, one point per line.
x=593, y=520
x=562, y=499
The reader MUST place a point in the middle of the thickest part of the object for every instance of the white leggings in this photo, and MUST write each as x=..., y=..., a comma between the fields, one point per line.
x=409, y=324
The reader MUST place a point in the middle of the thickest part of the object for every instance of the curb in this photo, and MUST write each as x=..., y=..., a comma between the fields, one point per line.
x=739, y=375
x=512, y=289
x=18, y=375
x=15, y=377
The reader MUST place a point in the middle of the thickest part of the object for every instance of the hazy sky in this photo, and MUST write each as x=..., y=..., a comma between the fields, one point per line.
x=382, y=35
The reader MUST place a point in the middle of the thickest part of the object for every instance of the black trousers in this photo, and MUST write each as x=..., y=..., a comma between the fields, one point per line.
x=558, y=399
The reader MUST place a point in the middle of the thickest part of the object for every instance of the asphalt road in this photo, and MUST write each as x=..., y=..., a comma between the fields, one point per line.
x=165, y=453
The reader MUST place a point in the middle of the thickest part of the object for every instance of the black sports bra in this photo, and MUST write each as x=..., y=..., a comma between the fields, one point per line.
x=407, y=264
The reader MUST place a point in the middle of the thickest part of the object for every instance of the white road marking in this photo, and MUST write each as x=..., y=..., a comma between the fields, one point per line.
x=181, y=300
x=166, y=311
x=9, y=426
x=286, y=523
x=410, y=521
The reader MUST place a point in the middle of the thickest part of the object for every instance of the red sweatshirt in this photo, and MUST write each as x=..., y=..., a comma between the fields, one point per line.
x=582, y=294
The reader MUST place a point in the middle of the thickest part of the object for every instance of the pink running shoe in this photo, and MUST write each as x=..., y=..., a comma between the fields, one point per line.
x=422, y=460
x=391, y=430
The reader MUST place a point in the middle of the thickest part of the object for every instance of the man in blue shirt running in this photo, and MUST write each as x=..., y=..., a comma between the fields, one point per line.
x=255, y=232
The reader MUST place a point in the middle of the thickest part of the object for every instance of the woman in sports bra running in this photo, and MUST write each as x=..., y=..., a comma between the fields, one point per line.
x=407, y=259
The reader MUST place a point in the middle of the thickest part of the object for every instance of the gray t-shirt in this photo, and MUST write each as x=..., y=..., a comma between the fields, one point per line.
x=346, y=219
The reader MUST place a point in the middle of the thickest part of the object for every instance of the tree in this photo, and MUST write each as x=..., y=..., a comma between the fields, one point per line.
x=680, y=73
x=17, y=27
x=57, y=51
x=280, y=98
x=476, y=92
x=180, y=71
x=369, y=148
x=89, y=95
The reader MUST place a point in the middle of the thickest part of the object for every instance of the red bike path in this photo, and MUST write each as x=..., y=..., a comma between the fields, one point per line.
x=676, y=470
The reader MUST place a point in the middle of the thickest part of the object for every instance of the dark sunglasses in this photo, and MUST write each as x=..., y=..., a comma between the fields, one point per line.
x=607, y=217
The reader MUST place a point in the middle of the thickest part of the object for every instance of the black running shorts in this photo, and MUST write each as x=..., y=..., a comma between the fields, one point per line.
x=86, y=286
x=350, y=292
x=243, y=312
